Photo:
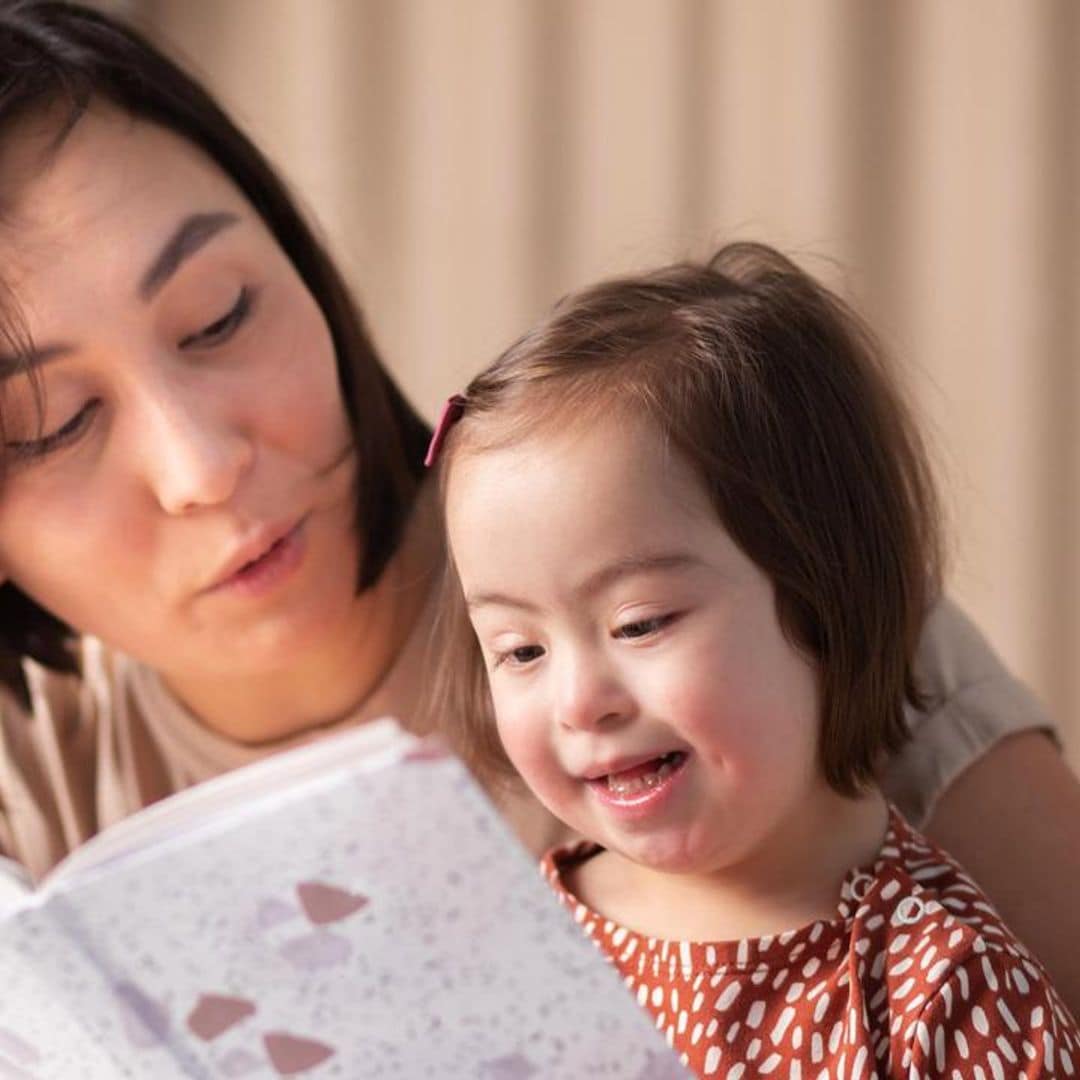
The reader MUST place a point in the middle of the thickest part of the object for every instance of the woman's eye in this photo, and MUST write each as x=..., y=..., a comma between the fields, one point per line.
x=34, y=449
x=222, y=329
x=519, y=657
x=640, y=628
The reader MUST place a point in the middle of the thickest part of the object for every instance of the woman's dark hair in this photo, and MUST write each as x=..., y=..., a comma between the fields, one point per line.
x=56, y=59
x=777, y=395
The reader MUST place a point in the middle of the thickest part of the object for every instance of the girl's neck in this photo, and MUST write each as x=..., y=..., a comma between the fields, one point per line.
x=346, y=668
x=792, y=880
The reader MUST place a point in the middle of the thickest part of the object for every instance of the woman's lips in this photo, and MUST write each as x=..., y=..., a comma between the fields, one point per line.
x=261, y=566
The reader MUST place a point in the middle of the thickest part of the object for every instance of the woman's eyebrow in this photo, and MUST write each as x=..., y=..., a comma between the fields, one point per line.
x=24, y=359
x=190, y=235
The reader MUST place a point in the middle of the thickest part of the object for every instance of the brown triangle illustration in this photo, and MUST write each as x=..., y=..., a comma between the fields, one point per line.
x=290, y=1054
x=215, y=1013
x=327, y=903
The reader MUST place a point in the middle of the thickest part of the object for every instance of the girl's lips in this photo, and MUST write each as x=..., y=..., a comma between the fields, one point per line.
x=640, y=789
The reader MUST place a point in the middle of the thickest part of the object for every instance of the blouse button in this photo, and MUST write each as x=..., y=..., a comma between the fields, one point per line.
x=910, y=910
x=860, y=886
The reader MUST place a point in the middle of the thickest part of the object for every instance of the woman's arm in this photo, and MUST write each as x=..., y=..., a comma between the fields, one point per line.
x=982, y=777
x=1013, y=820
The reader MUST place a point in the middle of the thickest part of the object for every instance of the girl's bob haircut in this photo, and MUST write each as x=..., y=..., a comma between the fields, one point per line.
x=777, y=395
x=57, y=59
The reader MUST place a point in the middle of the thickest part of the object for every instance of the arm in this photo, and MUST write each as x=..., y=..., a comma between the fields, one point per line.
x=982, y=777
x=1013, y=820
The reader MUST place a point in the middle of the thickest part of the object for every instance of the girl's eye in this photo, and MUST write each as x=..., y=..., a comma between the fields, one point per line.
x=29, y=450
x=640, y=628
x=222, y=329
x=519, y=657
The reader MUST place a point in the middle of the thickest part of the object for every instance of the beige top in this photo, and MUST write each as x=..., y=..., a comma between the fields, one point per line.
x=96, y=747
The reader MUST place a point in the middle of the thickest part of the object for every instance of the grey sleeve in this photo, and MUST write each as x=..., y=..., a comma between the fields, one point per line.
x=973, y=703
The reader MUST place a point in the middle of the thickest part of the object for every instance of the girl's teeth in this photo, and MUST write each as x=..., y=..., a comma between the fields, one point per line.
x=633, y=785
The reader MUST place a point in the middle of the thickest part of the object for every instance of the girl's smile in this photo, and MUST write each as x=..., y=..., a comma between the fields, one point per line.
x=637, y=791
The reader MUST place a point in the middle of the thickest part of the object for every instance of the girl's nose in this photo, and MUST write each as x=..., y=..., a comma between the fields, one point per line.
x=195, y=455
x=592, y=695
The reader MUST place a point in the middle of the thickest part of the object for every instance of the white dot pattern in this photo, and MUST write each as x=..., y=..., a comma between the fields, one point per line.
x=916, y=977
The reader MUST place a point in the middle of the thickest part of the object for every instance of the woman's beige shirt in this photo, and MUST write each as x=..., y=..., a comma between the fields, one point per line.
x=94, y=748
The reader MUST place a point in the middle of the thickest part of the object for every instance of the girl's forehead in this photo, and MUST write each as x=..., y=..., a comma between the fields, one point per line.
x=572, y=463
x=553, y=510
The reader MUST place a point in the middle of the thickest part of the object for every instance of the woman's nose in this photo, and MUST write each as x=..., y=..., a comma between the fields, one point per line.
x=592, y=695
x=195, y=454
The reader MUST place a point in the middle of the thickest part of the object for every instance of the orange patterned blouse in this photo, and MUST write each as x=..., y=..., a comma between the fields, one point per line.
x=916, y=976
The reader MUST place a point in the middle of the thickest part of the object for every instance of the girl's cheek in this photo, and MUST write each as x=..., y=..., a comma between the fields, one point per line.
x=522, y=734
x=721, y=728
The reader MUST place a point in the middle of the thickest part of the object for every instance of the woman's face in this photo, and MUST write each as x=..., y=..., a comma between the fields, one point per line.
x=187, y=495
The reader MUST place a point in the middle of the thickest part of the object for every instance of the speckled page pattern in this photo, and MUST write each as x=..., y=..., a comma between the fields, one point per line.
x=369, y=922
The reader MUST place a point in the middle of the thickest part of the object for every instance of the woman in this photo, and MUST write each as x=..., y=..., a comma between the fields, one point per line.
x=215, y=538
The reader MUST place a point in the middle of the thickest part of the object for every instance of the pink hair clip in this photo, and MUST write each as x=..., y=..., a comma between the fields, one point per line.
x=450, y=415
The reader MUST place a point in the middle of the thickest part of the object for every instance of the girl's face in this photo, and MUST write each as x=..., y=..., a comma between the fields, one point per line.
x=188, y=494
x=642, y=684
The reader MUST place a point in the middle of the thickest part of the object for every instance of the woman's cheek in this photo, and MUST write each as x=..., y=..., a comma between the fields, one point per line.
x=304, y=397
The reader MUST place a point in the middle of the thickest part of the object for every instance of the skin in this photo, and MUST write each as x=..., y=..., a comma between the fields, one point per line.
x=187, y=408
x=620, y=622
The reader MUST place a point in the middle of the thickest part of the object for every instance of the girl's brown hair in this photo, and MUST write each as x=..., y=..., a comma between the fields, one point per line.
x=778, y=396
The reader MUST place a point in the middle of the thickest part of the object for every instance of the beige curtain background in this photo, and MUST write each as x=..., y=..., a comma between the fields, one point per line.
x=470, y=160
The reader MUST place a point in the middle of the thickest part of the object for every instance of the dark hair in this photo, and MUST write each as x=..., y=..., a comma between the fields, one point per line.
x=61, y=56
x=777, y=395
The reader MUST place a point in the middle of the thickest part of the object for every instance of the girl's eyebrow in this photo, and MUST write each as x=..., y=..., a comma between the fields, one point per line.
x=188, y=237
x=636, y=563
x=598, y=580
x=497, y=599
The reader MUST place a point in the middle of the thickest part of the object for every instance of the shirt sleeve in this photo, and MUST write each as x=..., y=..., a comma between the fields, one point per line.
x=994, y=1016
x=973, y=703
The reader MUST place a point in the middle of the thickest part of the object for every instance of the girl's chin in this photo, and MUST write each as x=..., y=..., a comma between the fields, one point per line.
x=664, y=855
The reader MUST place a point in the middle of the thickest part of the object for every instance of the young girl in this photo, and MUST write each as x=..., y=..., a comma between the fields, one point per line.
x=693, y=530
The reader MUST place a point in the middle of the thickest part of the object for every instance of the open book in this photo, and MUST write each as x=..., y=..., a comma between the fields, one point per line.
x=352, y=908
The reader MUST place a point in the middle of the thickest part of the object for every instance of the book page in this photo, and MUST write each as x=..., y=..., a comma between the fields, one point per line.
x=41, y=1031
x=234, y=792
x=368, y=922
x=15, y=885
